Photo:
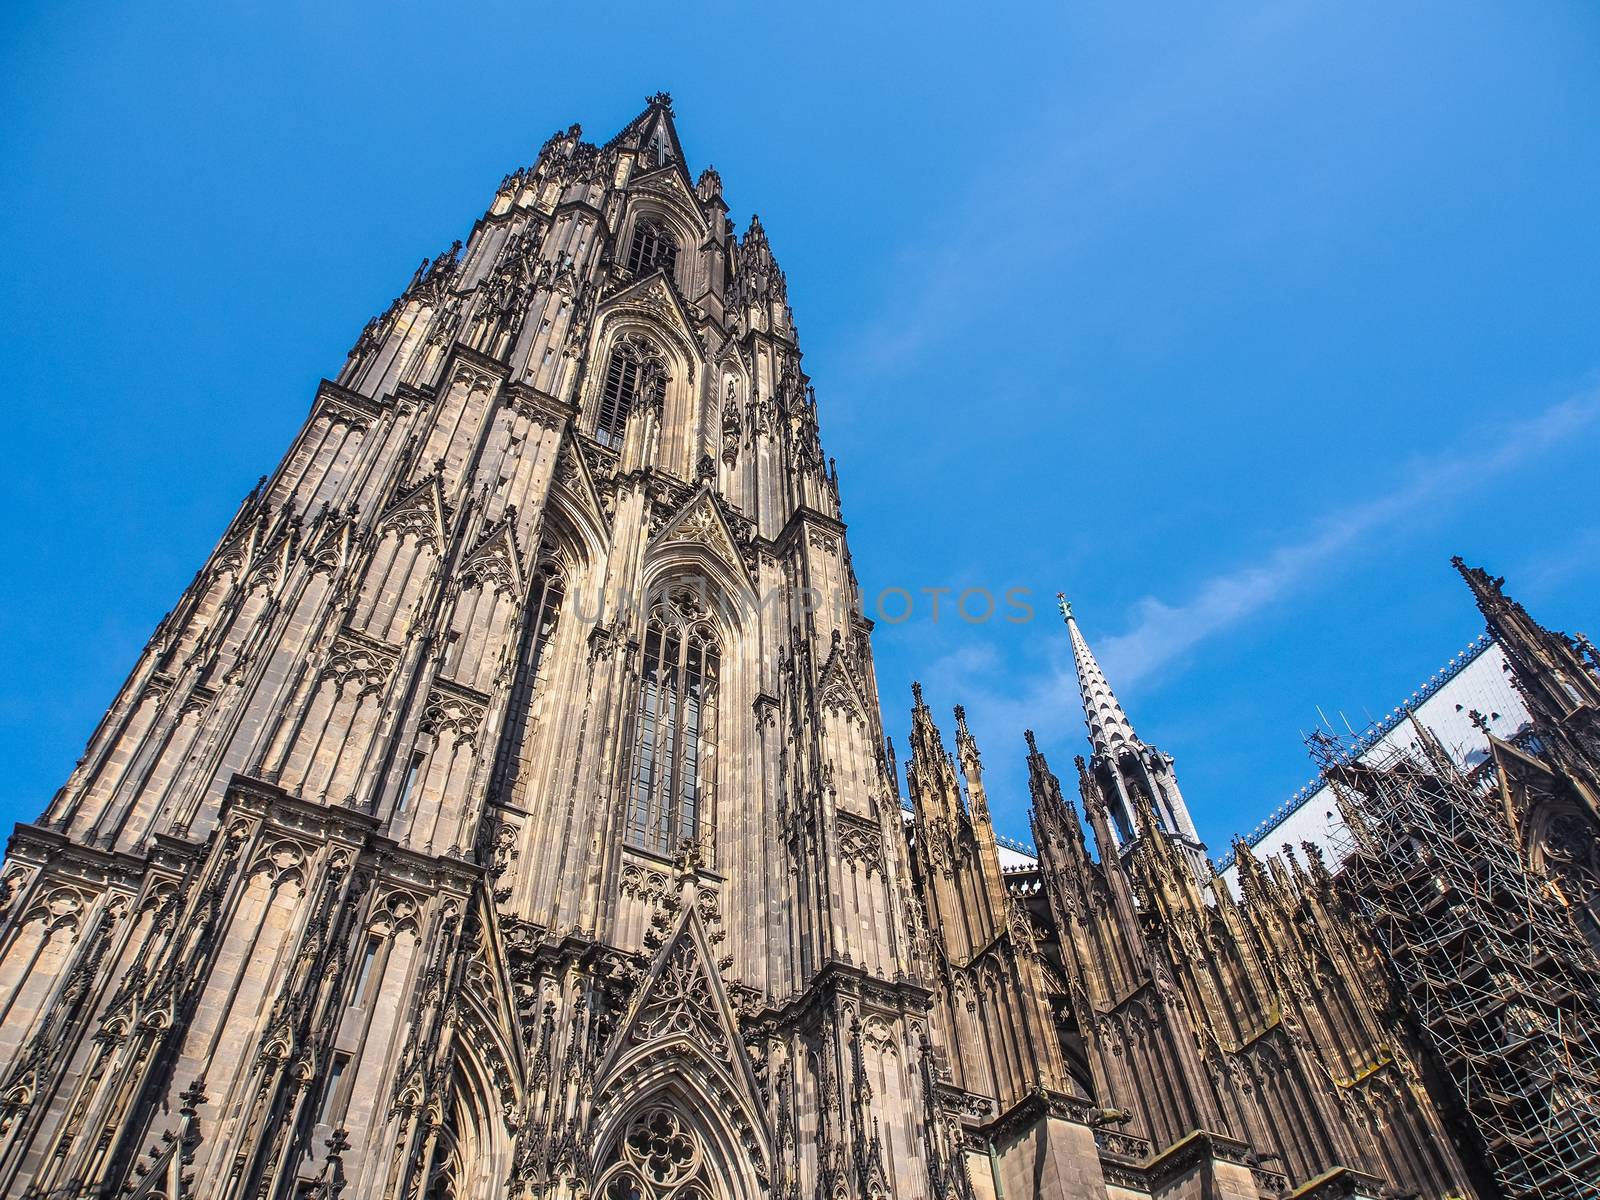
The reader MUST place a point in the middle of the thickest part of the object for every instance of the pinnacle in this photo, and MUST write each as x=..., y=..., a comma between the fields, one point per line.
x=966, y=745
x=1479, y=580
x=1487, y=590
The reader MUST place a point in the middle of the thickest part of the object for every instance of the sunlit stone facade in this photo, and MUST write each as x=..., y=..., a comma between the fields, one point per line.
x=504, y=811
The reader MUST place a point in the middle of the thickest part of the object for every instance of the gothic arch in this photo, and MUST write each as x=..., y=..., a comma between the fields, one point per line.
x=714, y=583
x=690, y=577
x=1563, y=844
x=573, y=521
x=658, y=208
x=650, y=309
x=671, y=203
x=658, y=320
x=671, y=1139
x=561, y=606
x=679, y=1050
x=696, y=544
x=470, y=1155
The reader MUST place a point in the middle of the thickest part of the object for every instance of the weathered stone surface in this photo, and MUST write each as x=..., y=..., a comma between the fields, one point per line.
x=504, y=811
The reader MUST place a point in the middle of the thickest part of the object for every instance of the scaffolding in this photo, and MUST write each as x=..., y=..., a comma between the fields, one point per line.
x=1503, y=990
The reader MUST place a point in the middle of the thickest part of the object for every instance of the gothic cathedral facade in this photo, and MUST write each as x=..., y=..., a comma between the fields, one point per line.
x=504, y=812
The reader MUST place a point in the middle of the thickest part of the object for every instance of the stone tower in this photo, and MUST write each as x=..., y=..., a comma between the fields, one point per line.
x=504, y=813
x=503, y=809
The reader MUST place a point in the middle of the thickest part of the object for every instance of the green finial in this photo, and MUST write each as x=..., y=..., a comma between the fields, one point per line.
x=1066, y=606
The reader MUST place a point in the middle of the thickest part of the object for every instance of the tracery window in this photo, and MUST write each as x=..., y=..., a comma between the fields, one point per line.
x=659, y=1157
x=653, y=246
x=444, y=1180
x=675, y=726
x=636, y=372
x=545, y=601
x=549, y=590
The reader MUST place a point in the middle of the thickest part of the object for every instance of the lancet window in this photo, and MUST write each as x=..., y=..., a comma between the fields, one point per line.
x=674, y=728
x=549, y=589
x=546, y=598
x=634, y=373
x=653, y=246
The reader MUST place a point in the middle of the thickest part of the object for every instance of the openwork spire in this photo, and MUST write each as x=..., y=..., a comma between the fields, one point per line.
x=1109, y=727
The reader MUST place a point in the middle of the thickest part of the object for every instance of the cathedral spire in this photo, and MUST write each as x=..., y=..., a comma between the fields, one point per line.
x=1109, y=727
x=1136, y=779
x=1053, y=813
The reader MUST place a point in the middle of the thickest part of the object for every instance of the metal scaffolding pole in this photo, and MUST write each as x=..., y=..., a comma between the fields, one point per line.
x=1504, y=991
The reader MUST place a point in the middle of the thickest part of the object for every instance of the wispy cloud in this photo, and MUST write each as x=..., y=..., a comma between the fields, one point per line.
x=1552, y=568
x=1061, y=178
x=1162, y=632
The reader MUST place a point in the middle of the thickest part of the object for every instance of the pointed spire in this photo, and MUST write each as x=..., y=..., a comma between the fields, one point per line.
x=1254, y=883
x=1095, y=812
x=1109, y=727
x=653, y=136
x=966, y=746
x=971, y=764
x=709, y=186
x=757, y=265
x=1549, y=667
x=1051, y=808
x=930, y=771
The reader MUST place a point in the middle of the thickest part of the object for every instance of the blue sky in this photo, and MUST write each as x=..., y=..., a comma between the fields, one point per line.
x=1234, y=321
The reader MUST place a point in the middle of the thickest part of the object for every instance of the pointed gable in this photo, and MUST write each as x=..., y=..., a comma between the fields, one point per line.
x=331, y=547
x=683, y=996
x=574, y=482
x=681, y=1015
x=657, y=294
x=419, y=509
x=680, y=1039
x=700, y=523
x=495, y=560
x=486, y=1005
x=654, y=137
x=672, y=189
x=838, y=687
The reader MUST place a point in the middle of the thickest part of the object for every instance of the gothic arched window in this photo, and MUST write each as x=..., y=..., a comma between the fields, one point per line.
x=549, y=589
x=660, y=1156
x=636, y=372
x=544, y=604
x=675, y=727
x=653, y=246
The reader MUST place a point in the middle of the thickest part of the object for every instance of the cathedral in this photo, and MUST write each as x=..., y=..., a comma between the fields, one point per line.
x=504, y=812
